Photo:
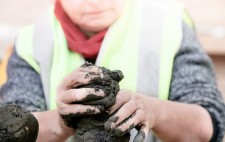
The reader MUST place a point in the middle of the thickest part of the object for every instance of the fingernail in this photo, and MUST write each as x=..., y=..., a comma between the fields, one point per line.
x=118, y=132
x=110, y=124
x=113, y=119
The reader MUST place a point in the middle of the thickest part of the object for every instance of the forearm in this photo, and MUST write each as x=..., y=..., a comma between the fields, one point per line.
x=193, y=81
x=51, y=128
x=183, y=122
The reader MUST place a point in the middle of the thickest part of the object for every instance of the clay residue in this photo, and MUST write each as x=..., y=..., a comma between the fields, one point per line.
x=17, y=125
x=90, y=128
x=140, y=137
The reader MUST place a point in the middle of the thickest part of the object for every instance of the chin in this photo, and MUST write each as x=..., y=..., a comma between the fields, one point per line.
x=96, y=28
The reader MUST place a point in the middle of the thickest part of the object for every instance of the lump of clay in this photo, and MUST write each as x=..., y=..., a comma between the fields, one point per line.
x=91, y=128
x=17, y=125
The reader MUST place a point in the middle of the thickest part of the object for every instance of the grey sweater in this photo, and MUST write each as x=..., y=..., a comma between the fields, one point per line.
x=193, y=82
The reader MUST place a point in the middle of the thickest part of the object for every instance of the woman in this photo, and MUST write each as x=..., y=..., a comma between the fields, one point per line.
x=169, y=86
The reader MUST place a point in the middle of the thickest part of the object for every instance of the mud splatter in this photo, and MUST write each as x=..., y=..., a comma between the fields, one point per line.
x=108, y=124
x=17, y=125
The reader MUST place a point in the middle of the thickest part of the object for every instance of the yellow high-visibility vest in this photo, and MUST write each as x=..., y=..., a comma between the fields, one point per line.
x=142, y=43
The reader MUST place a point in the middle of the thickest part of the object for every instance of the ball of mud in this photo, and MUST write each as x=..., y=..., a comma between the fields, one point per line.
x=17, y=125
x=90, y=128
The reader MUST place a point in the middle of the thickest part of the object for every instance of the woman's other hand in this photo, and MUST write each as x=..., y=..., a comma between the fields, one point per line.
x=170, y=121
x=132, y=111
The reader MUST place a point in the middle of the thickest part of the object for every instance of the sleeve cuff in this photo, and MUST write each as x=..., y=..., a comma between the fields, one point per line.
x=215, y=128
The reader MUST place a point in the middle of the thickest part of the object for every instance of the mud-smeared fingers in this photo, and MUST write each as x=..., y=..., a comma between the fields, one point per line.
x=89, y=67
x=80, y=77
x=117, y=75
x=81, y=94
x=110, y=95
x=122, y=114
x=79, y=109
x=107, y=101
x=122, y=97
x=130, y=123
x=142, y=133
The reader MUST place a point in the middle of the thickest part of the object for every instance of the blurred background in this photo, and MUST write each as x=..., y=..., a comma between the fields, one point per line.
x=15, y=14
x=208, y=15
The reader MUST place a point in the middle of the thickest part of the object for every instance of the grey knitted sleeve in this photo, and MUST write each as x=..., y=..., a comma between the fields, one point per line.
x=23, y=86
x=194, y=82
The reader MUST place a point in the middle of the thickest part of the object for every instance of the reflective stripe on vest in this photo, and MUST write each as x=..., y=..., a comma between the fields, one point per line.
x=39, y=57
x=42, y=52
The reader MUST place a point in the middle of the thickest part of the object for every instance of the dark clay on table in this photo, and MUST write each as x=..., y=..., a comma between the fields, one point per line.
x=90, y=128
x=17, y=125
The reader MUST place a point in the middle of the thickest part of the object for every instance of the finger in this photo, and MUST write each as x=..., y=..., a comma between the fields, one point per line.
x=130, y=123
x=80, y=78
x=121, y=98
x=79, y=109
x=73, y=81
x=116, y=75
x=81, y=95
x=110, y=96
x=89, y=78
x=87, y=67
x=142, y=133
x=106, y=101
x=121, y=115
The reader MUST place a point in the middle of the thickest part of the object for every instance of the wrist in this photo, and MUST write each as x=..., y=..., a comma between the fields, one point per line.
x=63, y=130
x=159, y=112
x=51, y=127
x=154, y=110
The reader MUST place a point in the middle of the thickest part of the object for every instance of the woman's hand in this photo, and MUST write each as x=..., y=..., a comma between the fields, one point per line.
x=132, y=111
x=170, y=121
x=72, y=94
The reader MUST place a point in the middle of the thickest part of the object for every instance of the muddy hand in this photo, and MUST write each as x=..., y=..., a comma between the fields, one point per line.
x=70, y=92
x=108, y=83
x=91, y=128
x=86, y=91
x=131, y=111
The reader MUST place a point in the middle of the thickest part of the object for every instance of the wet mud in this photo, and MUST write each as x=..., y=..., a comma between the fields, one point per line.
x=17, y=125
x=90, y=128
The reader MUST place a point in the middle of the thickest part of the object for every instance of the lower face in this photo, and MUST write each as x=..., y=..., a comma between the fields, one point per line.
x=93, y=15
